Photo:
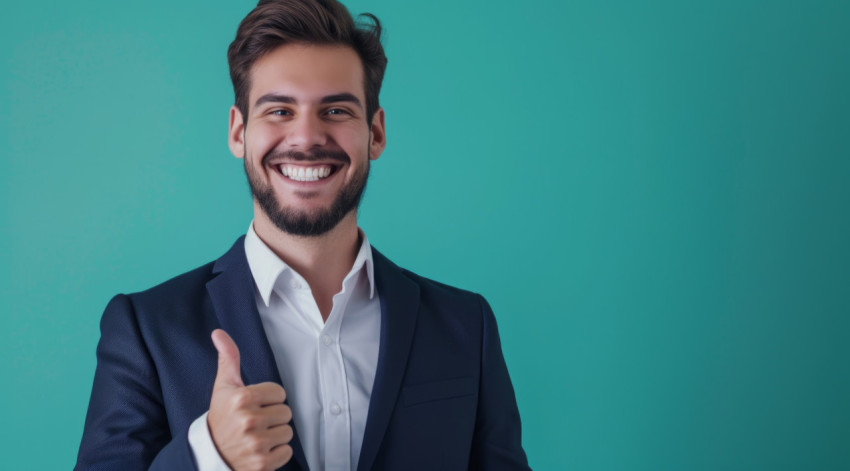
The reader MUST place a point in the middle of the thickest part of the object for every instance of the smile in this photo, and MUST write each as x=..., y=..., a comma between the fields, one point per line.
x=302, y=173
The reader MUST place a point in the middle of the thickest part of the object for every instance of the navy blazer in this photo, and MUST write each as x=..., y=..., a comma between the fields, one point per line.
x=442, y=398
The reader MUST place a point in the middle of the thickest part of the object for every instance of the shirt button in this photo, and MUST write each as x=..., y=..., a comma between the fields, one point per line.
x=327, y=340
x=295, y=284
x=335, y=409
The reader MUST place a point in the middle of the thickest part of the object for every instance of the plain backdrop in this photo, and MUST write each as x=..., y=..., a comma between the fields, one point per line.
x=652, y=195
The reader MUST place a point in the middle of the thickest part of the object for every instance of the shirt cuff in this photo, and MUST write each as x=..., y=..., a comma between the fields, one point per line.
x=201, y=442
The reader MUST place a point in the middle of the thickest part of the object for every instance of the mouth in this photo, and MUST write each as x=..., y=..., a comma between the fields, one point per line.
x=306, y=173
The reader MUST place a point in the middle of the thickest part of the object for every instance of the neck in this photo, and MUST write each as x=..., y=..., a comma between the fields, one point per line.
x=323, y=260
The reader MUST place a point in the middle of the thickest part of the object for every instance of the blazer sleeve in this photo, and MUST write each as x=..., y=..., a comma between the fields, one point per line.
x=497, y=443
x=126, y=426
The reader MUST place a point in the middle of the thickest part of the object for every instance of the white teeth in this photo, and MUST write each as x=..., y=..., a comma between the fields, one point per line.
x=305, y=174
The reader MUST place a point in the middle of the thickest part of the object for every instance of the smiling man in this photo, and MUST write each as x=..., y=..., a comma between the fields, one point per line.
x=306, y=138
x=302, y=347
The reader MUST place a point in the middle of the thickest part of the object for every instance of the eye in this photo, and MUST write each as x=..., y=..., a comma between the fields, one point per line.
x=281, y=112
x=337, y=112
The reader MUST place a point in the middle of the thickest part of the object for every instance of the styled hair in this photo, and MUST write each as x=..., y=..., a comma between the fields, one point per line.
x=274, y=23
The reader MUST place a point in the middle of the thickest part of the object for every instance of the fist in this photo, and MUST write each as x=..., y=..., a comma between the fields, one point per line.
x=249, y=424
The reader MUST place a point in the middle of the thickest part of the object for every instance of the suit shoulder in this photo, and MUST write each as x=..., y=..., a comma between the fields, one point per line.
x=186, y=286
x=432, y=289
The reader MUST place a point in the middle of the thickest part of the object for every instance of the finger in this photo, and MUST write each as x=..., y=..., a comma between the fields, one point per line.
x=280, y=455
x=228, y=360
x=278, y=414
x=281, y=434
x=267, y=394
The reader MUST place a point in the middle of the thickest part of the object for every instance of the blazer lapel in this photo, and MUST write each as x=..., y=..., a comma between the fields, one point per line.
x=399, y=308
x=232, y=295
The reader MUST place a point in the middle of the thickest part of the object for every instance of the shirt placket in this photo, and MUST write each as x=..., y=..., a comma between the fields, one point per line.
x=335, y=400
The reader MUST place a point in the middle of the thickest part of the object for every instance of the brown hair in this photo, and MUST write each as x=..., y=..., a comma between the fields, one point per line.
x=274, y=23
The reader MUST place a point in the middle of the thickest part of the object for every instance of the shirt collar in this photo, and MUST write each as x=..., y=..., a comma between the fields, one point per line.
x=266, y=267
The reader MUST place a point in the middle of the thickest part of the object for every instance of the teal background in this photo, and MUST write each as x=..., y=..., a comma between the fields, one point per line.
x=652, y=195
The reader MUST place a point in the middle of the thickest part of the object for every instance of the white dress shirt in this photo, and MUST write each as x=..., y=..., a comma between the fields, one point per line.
x=328, y=368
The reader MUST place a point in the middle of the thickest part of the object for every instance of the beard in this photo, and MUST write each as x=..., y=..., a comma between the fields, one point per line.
x=313, y=222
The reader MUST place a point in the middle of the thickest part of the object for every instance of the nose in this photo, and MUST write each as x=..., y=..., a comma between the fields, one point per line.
x=305, y=132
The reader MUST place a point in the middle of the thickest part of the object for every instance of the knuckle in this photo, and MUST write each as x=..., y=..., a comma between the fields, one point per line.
x=243, y=398
x=249, y=422
x=255, y=445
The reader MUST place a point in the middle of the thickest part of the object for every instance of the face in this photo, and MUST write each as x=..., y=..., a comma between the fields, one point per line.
x=305, y=139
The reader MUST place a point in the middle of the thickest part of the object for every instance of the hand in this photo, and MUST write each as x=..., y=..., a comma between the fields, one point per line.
x=249, y=424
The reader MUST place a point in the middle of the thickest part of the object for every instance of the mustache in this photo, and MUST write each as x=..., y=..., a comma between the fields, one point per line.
x=315, y=155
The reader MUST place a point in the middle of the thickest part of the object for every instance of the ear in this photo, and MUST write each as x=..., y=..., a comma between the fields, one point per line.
x=236, y=134
x=377, y=135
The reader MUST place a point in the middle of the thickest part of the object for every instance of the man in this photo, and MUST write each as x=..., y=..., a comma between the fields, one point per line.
x=324, y=354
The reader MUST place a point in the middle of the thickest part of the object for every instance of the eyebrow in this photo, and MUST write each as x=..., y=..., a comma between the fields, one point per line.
x=275, y=98
x=347, y=97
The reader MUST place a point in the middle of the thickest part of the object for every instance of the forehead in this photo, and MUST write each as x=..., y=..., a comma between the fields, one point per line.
x=308, y=72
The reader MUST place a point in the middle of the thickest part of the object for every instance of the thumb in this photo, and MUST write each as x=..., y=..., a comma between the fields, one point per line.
x=228, y=360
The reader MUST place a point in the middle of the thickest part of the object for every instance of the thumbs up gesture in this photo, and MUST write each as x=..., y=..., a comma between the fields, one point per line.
x=249, y=424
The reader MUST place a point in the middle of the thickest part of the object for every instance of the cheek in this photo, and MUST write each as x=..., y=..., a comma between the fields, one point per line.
x=260, y=139
x=354, y=142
